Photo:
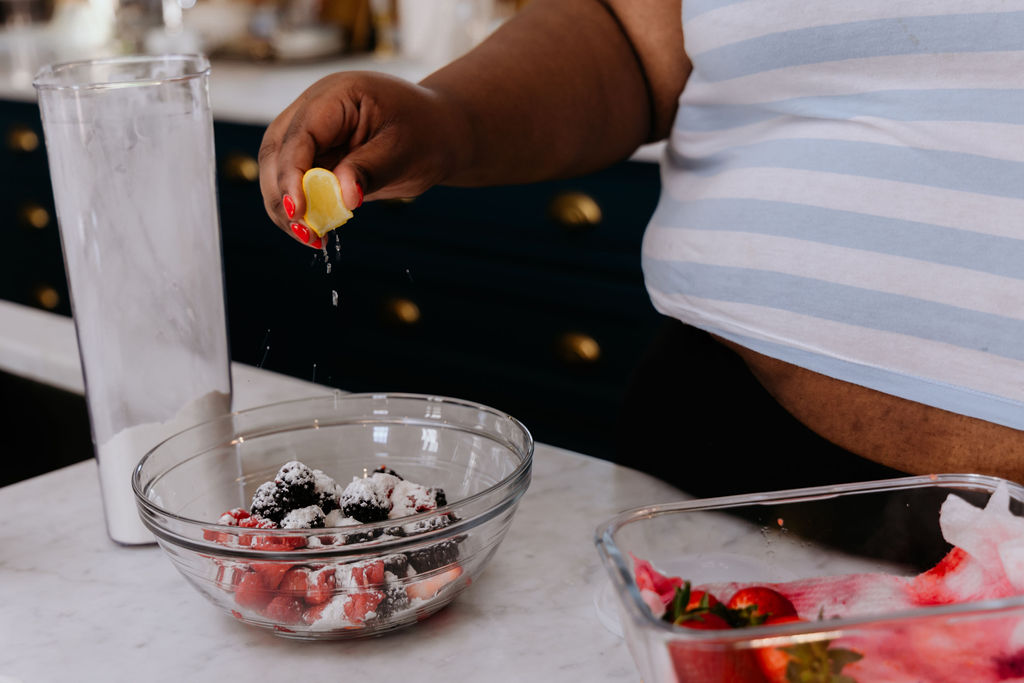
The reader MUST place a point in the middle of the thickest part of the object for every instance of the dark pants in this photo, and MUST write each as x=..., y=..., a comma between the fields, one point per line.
x=695, y=416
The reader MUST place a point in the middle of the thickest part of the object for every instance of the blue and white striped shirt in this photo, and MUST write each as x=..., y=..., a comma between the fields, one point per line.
x=843, y=189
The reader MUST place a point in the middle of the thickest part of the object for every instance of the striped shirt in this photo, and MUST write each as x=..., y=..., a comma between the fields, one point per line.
x=843, y=189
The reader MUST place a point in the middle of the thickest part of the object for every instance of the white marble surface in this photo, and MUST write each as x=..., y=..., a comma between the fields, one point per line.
x=77, y=607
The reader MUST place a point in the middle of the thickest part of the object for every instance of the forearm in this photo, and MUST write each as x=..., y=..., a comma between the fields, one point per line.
x=557, y=91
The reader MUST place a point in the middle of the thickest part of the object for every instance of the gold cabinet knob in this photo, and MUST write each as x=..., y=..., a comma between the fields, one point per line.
x=402, y=311
x=46, y=297
x=241, y=168
x=32, y=215
x=577, y=348
x=22, y=139
x=575, y=211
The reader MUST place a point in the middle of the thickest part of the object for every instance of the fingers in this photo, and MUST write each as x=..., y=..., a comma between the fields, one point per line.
x=285, y=205
x=380, y=135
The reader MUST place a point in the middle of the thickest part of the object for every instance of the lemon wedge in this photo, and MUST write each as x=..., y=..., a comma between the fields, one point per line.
x=325, y=207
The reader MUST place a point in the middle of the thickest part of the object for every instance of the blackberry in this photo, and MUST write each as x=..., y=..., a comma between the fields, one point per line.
x=397, y=564
x=434, y=556
x=296, y=485
x=328, y=493
x=310, y=517
x=387, y=470
x=366, y=500
x=439, y=497
x=396, y=531
x=395, y=600
x=424, y=525
x=360, y=536
x=266, y=503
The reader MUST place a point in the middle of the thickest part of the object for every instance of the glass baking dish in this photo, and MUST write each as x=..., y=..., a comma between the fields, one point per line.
x=867, y=564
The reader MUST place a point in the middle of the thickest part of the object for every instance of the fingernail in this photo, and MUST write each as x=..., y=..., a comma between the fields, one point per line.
x=300, y=231
x=318, y=243
x=359, y=188
x=289, y=205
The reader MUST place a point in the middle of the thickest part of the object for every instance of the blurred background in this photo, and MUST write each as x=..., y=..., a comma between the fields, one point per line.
x=35, y=32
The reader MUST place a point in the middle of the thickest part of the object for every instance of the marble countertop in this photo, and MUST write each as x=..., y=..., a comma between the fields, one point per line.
x=78, y=607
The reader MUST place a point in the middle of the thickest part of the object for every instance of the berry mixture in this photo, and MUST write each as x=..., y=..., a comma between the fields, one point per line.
x=340, y=595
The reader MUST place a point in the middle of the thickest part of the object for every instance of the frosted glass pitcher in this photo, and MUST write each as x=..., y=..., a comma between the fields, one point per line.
x=130, y=146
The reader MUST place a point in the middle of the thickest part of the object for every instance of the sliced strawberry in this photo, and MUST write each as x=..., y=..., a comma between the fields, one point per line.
x=250, y=592
x=216, y=536
x=253, y=522
x=229, y=574
x=312, y=614
x=278, y=543
x=359, y=605
x=369, y=573
x=648, y=577
x=271, y=573
x=294, y=583
x=230, y=518
x=284, y=610
x=321, y=585
x=233, y=516
x=429, y=586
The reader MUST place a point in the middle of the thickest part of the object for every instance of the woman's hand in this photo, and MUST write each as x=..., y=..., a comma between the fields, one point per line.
x=382, y=136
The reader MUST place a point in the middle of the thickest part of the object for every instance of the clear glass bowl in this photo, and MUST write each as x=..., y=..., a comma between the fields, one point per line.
x=479, y=456
x=876, y=535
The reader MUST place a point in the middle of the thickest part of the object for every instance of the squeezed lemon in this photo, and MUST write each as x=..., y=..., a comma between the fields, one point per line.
x=325, y=207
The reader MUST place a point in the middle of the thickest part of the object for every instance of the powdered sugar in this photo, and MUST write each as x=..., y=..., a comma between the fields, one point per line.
x=309, y=517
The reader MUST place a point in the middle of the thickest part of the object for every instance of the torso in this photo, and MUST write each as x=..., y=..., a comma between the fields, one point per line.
x=838, y=202
x=901, y=434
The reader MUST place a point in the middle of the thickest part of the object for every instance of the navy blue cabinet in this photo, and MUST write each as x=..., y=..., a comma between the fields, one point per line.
x=527, y=298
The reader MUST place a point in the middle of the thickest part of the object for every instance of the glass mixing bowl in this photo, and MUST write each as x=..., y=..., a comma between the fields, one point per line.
x=347, y=581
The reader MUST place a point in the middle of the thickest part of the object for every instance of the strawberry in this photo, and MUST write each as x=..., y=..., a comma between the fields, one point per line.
x=369, y=573
x=278, y=543
x=359, y=605
x=813, y=662
x=228, y=574
x=429, y=586
x=312, y=614
x=230, y=518
x=253, y=522
x=647, y=577
x=250, y=592
x=703, y=621
x=698, y=663
x=755, y=604
x=271, y=573
x=284, y=610
x=294, y=583
x=320, y=587
x=233, y=516
x=688, y=604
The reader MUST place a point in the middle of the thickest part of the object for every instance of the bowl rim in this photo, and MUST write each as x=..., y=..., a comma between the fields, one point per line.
x=373, y=547
x=630, y=601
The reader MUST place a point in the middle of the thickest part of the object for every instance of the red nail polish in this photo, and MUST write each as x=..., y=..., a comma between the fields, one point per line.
x=289, y=206
x=360, y=189
x=300, y=231
x=318, y=243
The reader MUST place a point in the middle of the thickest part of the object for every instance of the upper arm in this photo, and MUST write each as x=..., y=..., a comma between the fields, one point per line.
x=655, y=30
